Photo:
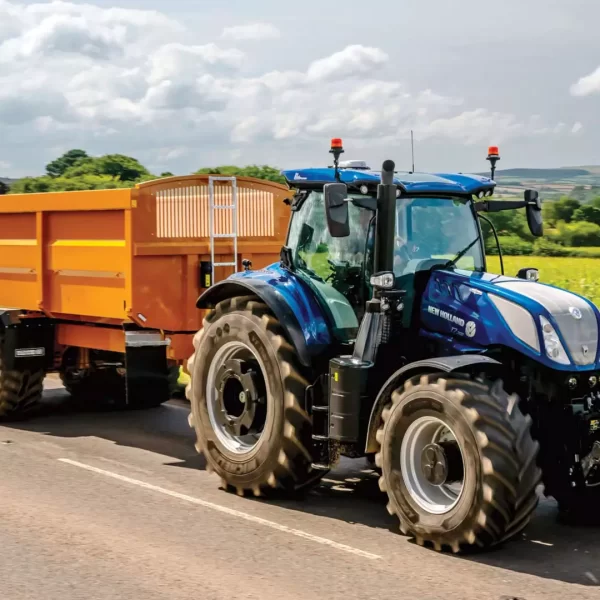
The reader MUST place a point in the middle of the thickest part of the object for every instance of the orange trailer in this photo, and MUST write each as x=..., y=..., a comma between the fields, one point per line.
x=101, y=286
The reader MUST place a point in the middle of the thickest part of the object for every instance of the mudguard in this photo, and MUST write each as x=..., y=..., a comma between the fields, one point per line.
x=25, y=344
x=444, y=364
x=290, y=300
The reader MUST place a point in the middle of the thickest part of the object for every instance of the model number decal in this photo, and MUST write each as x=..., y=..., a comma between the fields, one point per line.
x=27, y=352
x=446, y=315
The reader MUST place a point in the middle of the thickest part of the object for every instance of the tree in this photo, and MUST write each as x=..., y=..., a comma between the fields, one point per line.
x=587, y=214
x=257, y=171
x=117, y=166
x=167, y=174
x=564, y=208
x=58, y=167
x=79, y=171
x=580, y=234
x=124, y=168
x=4, y=189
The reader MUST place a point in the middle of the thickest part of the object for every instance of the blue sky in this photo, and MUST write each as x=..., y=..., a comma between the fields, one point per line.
x=184, y=84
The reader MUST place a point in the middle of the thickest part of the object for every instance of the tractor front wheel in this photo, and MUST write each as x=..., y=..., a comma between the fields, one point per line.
x=458, y=463
x=247, y=401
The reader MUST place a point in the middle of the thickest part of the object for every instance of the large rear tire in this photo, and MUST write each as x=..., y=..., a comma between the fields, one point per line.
x=458, y=463
x=247, y=401
x=20, y=392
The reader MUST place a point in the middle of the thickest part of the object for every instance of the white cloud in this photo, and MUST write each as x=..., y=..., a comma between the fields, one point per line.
x=171, y=154
x=251, y=32
x=131, y=81
x=349, y=62
x=4, y=164
x=590, y=84
x=577, y=127
x=176, y=60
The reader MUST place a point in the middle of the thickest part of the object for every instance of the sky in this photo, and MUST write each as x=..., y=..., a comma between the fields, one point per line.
x=186, y=84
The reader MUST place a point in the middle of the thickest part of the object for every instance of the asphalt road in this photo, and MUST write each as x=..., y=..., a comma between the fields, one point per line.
x=119, y=506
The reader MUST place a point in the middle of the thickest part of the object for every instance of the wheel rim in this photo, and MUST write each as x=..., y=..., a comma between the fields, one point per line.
x=236, y=397
x=432, y=465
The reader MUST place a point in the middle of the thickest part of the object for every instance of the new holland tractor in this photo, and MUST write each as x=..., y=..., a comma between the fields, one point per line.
x=380, y=334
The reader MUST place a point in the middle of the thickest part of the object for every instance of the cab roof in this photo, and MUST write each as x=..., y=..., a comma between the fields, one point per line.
x=411, y=183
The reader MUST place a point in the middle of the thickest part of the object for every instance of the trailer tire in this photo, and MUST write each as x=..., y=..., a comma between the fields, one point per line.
x=20, y=392
x=278, y=455
x=499, y=470
x=106, y=389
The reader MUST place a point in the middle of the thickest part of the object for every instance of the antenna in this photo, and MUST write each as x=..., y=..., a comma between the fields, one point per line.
x=412, y=149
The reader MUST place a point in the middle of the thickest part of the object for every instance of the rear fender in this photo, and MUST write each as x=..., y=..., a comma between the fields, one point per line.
x=27, y=343
x=290, y=300
x=446, y=364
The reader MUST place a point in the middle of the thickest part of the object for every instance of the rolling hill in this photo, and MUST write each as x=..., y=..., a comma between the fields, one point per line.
x=581, y=182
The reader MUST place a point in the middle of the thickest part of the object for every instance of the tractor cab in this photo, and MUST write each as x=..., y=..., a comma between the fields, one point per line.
x=344, y=233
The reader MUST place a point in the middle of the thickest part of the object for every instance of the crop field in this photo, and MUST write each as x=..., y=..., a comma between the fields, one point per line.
x=579, y=275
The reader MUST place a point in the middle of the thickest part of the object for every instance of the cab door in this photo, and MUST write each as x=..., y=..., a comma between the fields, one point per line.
x=336, y=269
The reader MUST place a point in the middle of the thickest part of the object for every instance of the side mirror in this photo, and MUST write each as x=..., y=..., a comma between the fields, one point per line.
x=533, y=209
x=336, y=209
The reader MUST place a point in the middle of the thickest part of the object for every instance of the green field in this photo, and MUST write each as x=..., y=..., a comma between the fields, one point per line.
x=579, y=275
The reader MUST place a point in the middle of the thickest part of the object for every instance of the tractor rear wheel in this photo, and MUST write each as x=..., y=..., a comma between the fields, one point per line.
x=20, y=391
x=247, y=401
x=458, y=463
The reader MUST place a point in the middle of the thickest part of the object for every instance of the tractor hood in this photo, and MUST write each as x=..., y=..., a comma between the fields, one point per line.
x=486, y=310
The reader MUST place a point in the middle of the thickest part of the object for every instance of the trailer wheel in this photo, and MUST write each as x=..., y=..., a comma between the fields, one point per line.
x=105, y=387
x=458, y=463
x=247, y=400
x=20, y=391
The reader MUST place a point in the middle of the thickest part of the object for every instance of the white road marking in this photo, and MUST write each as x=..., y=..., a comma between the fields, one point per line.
x=224, y=509
x=541, y=543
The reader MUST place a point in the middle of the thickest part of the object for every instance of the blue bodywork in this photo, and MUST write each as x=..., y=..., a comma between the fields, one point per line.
x=411, y=183
x=296, y=294
x=462, y=295
x=465, y=294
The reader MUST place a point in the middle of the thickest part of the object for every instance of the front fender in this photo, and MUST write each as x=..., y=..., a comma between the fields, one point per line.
x=443, y=364
x=290, y=300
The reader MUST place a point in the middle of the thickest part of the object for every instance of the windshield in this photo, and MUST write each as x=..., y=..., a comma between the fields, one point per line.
x=435, y=228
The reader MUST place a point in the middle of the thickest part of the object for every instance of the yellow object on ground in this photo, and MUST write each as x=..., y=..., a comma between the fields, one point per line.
x=184, y=378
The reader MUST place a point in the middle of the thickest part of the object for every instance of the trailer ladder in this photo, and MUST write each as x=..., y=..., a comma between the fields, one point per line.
x=233, y=211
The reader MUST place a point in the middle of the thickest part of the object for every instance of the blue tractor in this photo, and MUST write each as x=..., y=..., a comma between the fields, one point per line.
x=380, y=334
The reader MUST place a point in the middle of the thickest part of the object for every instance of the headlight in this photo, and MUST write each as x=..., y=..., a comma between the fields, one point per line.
x=552, y=343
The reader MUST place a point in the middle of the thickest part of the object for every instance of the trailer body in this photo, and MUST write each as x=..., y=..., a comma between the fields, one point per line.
x=94, y=269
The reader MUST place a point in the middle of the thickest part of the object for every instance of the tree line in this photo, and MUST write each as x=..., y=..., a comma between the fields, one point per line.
x=77, y=170
x=570, y=226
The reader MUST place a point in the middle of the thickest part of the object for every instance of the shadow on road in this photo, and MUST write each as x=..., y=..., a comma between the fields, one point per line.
x=163, y=430
x=547, y=549
x=350, y=493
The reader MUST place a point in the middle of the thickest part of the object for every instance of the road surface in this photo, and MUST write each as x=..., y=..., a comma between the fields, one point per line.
x=119, y=506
